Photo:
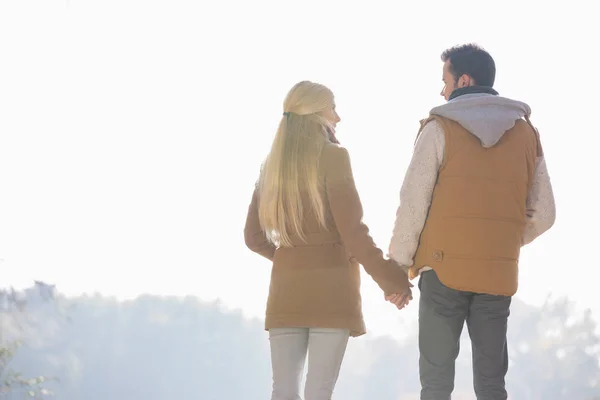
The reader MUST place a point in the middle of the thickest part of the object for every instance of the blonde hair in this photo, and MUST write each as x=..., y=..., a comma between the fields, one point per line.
x=292, y=166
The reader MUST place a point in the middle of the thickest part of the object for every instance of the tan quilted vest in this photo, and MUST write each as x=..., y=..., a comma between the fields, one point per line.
x=473, y=234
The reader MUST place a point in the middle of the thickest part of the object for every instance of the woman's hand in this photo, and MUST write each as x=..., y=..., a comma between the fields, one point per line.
x=400, y=300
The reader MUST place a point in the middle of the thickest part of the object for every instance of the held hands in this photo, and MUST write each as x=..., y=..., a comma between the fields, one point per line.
x=401, y=300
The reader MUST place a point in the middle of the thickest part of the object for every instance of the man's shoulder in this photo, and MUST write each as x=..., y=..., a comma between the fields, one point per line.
x=433, y=121
x=426, y=120
x=431, y=128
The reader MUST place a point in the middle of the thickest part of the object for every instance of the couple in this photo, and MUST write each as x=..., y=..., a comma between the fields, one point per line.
x=477, y=190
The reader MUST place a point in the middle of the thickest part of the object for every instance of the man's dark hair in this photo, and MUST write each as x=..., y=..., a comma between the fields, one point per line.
x=473, y=60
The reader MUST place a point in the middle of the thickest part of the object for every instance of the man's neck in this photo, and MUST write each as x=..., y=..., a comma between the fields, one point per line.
x=471, y=90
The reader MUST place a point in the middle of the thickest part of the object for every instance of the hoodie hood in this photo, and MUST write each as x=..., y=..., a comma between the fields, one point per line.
x=484, y=115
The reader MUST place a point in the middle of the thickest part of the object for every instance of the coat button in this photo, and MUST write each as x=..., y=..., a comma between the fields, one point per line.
x=437, y=256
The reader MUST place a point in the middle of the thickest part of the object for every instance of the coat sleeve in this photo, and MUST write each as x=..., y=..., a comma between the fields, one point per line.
x=347, y=212
x=255, y=237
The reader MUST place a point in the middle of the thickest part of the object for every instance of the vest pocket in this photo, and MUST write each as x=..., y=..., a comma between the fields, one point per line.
x=473, y=237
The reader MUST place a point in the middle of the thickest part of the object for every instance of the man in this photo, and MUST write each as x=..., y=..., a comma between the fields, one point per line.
x=477, y=190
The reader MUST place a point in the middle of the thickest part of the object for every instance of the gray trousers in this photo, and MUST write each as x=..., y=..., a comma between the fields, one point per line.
x=442, y=315
x=289, y=348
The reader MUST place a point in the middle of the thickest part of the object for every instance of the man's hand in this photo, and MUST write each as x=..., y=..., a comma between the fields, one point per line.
x=400, y=300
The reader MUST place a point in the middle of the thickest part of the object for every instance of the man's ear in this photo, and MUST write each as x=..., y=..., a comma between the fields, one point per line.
x=465, y=81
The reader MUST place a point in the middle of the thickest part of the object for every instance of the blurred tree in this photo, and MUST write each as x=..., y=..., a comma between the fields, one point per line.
x=157, y=347
x=554, y=354
x=13, y=324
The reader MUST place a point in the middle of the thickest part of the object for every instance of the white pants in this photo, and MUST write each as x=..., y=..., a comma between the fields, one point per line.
x=325, y=347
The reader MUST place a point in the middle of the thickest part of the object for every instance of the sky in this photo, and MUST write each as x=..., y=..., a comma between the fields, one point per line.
x=131, y=132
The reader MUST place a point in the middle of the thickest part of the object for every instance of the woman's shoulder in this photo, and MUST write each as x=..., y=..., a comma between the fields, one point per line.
x=334, y=152
x=335, y=159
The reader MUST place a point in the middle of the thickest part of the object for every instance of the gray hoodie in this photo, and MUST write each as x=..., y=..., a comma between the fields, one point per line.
x=484, y=115
x=488, y=117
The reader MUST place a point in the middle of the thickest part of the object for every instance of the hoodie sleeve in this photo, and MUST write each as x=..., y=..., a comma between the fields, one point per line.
x=416, y=192
x=541, y=208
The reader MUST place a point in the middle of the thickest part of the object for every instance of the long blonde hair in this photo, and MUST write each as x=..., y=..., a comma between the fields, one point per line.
x=292, y=166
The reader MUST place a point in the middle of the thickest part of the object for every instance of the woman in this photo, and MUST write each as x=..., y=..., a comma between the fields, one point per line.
x=306, y=217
